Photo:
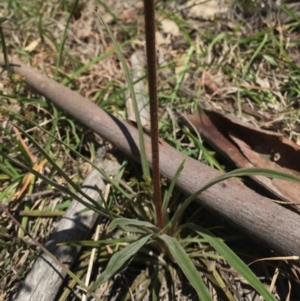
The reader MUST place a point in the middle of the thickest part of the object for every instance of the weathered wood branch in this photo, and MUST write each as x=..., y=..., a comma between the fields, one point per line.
x=258, y=216
x=46, y=276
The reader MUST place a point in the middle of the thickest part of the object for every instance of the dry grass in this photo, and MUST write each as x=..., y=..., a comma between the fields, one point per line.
x=250, y=57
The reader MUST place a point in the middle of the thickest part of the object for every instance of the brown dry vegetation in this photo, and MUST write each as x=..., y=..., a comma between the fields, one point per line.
x=227, y=67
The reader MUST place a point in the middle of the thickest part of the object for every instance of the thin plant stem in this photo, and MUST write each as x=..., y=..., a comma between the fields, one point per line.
x=4, y=49
x=149, y=13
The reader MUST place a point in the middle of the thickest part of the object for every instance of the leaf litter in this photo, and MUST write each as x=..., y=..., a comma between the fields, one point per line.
x=214, y=77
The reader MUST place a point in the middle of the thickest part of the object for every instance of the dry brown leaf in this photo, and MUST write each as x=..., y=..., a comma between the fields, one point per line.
x=205, y=10
x=248, y=146
x=170, y=27
x=207, y=81
x=33, y=45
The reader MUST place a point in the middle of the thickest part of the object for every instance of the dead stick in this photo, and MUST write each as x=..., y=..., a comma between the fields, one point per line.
x=258, y=216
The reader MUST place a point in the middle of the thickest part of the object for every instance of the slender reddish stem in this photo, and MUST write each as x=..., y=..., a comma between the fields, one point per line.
x=149, y=12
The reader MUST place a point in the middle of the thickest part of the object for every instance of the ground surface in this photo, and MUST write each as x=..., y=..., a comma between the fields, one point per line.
x=238, y=53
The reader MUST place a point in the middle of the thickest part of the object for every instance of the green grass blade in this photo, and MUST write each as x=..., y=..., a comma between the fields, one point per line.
x=121, y=222
x=184, y=69
x=4, y=49
x=290, y=12
x=233, y=260
x=111, y=13
x=186, y=266
x=257, y=51
x=217, y=39
x=14, y=140
x=64, y=38
x=94, y=61
x=105, y=176
x=235, y=173
x=170, y=191
x=8, y=170
x=54, y=165
x=118, y=260
x=207, y=156
x=96, y=207
x=144, y=163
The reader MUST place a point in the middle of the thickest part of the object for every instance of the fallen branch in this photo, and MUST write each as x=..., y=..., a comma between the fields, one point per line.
x=258, y=216
x=46, y=277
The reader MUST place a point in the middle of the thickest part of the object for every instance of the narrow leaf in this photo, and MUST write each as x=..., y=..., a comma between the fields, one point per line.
x=235, y=173
x=144, y=162
x=170, y=191
x=4, y=49
x=61, y=188
x=119, y=259
x=121, y=222
x=233, y=260
x=256, y=53
x=186, y=266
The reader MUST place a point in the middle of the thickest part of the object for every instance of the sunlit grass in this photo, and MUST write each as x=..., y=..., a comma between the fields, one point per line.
x=243, y=60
